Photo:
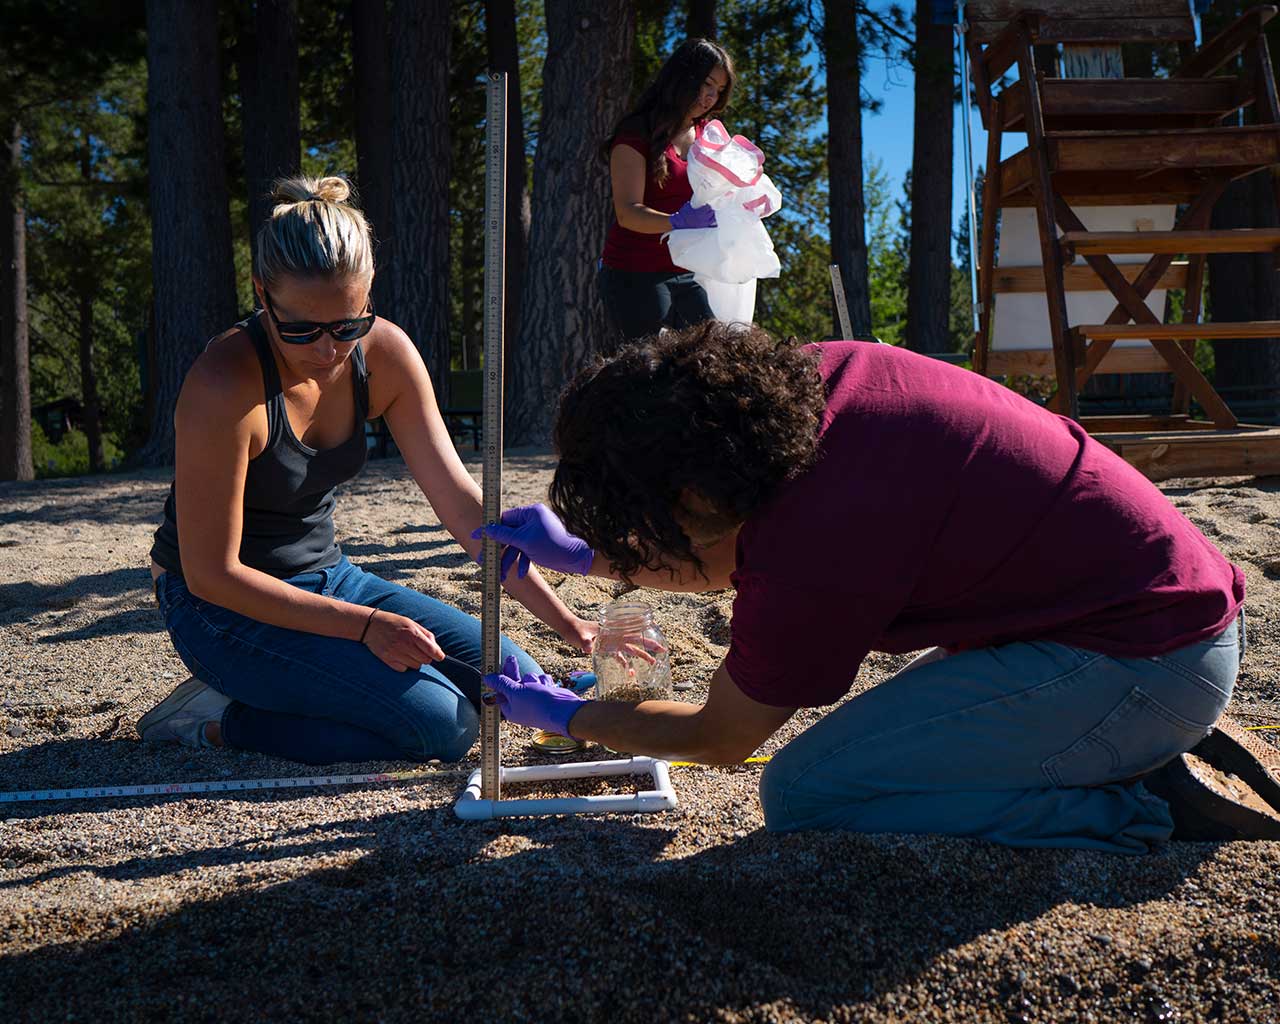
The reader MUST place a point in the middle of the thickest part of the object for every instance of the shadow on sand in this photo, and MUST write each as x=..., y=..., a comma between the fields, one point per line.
x=572, y=919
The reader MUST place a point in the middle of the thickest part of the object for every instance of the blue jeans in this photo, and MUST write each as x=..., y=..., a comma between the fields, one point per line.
x=319, y=699
x=1028, y=744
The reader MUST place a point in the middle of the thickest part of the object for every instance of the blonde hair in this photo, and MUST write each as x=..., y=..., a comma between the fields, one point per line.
x=313, y=232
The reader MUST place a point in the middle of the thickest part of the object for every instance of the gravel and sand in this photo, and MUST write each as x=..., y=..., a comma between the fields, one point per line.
x=378, y=904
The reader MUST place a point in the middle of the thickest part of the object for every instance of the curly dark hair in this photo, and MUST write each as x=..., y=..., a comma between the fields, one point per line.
x=661, y=109
x=724, y=411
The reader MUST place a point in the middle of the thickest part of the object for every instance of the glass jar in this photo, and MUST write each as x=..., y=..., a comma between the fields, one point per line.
x=630, y=655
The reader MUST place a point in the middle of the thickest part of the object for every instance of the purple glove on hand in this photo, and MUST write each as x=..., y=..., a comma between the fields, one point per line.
x=690, y=216
x=533, y=700
x=534, y=532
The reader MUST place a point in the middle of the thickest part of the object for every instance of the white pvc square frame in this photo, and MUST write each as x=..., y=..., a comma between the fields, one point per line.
x=662, y=797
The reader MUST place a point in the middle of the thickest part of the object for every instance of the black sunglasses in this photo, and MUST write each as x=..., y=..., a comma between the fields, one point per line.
x=304, y=332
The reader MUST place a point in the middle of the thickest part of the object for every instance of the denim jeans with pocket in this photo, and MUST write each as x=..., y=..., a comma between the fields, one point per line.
x=1027, y=744
x=321, y=699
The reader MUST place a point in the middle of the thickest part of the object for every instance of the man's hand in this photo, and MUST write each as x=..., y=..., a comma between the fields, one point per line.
x=535, y=533
x=581, y=633
x=533, y=700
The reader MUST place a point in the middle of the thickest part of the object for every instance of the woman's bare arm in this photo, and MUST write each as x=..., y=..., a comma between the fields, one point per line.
x=409, y=406
x=627, y=174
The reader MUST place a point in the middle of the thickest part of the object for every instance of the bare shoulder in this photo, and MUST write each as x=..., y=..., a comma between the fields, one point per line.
x=394, y=365
x=387, y=345
x=225, y=381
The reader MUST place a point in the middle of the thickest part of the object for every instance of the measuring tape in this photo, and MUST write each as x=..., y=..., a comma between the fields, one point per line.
x=254, y=785
x=495, y=220
x=228, y=786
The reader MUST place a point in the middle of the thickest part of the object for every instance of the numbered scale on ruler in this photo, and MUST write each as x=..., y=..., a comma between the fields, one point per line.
x=495, y=194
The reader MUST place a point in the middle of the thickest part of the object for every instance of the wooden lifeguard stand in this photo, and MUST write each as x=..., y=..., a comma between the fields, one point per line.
x=1117, y=180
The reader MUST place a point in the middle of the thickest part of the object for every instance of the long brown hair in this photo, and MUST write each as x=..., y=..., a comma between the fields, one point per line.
x=661, y=110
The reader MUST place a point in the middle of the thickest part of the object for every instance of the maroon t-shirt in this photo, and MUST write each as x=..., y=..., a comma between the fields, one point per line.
x=945, y=510
x=625, y=249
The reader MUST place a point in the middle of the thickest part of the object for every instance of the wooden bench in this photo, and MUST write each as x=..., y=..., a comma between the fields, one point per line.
x=462, y=418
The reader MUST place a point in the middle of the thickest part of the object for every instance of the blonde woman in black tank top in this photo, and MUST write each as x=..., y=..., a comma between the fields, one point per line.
x=293, y=650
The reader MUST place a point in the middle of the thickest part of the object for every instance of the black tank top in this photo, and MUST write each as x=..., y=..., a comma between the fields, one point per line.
x=288, y=487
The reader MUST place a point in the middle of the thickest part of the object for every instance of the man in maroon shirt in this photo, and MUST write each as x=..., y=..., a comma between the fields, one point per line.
x=860, y=497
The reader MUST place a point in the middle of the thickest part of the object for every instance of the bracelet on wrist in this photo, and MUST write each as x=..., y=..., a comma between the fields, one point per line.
x=365, y=632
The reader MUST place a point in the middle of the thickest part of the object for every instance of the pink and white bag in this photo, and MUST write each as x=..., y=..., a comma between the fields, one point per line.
x=727, y=173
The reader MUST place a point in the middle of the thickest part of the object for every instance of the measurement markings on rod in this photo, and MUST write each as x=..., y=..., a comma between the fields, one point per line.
x=495, y=193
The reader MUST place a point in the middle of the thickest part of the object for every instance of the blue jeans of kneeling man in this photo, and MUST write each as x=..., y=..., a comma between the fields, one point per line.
x=1028, y=744
x=320, y=699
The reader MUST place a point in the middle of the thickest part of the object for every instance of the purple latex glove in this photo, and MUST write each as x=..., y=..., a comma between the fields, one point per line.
x=690, y=216
x=533, y=700
x=535, y=532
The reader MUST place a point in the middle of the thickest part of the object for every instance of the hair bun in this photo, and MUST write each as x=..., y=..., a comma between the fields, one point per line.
x=289, y=191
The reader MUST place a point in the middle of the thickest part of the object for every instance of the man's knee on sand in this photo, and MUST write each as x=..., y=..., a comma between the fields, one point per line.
x=790, y=805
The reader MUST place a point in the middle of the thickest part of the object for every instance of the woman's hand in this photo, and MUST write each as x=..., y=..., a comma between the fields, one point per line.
x=400, y=642
x=690, y=216
x=581, y=633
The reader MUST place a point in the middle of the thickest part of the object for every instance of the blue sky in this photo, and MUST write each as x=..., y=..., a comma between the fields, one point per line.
x=886, y=135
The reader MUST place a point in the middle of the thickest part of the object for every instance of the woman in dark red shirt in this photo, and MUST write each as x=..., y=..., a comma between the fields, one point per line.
x=642, y=289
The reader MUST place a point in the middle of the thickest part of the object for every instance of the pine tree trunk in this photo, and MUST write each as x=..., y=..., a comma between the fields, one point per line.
x=929, y=272
x=1243, y=287
x=504, y=55
x=372, y=58
x=92, y=411
x=585, y=85
x=419, y=264
x=193, y=276
x=702, y=19
x=267, y=57
x=88, y=375
x=15, y=372
x=844, y=162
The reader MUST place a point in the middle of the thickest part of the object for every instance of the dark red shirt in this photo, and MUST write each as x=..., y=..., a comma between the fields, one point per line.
x=946, y=510
x=625, y=249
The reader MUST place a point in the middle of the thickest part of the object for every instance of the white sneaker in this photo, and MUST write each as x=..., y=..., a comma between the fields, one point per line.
x=181, y=716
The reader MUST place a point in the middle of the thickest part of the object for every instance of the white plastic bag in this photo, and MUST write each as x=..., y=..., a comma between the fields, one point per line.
x=727, y=174
x=731, y=303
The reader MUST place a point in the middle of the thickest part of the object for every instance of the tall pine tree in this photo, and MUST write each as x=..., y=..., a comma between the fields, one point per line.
x=586, y=82
x=929, y=267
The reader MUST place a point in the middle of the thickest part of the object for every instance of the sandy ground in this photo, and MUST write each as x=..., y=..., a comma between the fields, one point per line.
x=377, y=904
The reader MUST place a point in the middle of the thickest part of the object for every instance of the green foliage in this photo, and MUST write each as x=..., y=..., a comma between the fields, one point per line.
x=70, y=456
x=327, y=97
x=886, y=257
x=469, y=61
x=88, y=236
x=85, y=172
x=531, y=38
x=658, y=31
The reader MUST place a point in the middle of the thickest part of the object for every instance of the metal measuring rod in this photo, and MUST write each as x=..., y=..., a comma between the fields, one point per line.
x=842, y=307
x=495, y=247
x=481, y=800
